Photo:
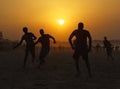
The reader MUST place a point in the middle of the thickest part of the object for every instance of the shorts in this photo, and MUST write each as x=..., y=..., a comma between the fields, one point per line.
x=43, y=53
x=80, y=52
x=31, y=50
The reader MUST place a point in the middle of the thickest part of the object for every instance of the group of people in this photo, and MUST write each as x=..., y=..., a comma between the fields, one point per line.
x=30, y=45
x=81, y=45
x=109, y=48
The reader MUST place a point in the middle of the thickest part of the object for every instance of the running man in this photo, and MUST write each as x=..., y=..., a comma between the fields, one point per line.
x=108, y=47
x=44, y=39
x=80, y=46
x=29, y=38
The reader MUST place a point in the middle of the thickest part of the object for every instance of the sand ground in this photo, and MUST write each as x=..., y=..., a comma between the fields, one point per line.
x=58, y=71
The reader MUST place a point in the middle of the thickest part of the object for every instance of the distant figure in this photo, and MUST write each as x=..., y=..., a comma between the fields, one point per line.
x=108, y=47
x=116, y=50
x=44, y=39
x=80, y=46
x=29, y=39
x=98, y=47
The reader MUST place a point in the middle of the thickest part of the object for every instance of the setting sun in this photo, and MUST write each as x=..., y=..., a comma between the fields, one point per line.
x=60, y=17
x=61, y=21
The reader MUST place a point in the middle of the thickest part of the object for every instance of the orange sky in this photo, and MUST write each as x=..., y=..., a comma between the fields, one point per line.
x=101, y=17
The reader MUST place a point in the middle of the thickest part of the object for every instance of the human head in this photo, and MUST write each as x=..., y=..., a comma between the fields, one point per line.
x=80, y=25
x=105, y=38
x=41, y=31
x=25, y=29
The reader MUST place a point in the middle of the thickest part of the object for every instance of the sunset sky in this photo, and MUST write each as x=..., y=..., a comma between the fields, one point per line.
x=100, y=17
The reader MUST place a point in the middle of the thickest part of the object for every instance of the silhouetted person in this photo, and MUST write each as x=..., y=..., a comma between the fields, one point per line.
x=97, y=47
x=80, y=46
x=44, y=39
x=108, y=47
x=116, y=49
x=29, y=39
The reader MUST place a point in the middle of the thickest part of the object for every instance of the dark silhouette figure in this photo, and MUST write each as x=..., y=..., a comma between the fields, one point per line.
x=98, y=47
x=116, y=50
x=29, y=39
x=80, y=46
x=44, y=39
x=108, y=47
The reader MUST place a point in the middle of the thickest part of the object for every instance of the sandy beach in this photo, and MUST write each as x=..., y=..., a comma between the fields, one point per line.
x=58, y=71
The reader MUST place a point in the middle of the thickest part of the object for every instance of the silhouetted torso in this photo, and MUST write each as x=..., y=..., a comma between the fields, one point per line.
x=81, y=38
x=28, y=37
x=44, y=40
x=107, y=44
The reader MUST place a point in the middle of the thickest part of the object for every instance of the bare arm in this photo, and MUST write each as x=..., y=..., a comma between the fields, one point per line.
x=37, y=41
x=34, y=37
x=18, y=44
x=90, y=41
x=54, y=41
x=70, y=40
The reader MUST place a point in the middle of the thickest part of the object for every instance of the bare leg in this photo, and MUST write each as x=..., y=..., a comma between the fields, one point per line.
x=25, y=59
x=77, y=67
x=33, y=54
x=88, y=67
x=85, y=57
x=42, y=61
x=111, y=55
